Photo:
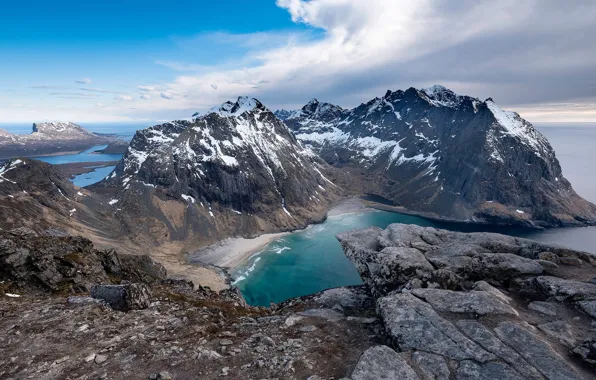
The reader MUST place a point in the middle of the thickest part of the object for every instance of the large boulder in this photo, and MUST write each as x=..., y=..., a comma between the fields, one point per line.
x=123, y=297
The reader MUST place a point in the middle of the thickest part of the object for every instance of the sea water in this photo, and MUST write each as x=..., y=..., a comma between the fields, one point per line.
x=312, y=260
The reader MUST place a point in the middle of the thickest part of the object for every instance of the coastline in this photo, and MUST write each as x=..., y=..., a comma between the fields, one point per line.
x=231, y=253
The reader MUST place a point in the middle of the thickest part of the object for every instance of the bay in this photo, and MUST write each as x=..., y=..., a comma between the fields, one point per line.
x=308, y=261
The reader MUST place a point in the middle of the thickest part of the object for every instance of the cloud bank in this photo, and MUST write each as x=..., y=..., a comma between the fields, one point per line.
x=534, y=56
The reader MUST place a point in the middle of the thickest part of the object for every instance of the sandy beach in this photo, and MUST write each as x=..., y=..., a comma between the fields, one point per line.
x=232, y=252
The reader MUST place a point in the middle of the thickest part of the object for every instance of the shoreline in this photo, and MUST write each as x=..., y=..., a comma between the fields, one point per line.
x=72, y=169
x=231, y=253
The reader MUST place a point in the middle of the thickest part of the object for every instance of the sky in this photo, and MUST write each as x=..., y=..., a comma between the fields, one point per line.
x=144, y=61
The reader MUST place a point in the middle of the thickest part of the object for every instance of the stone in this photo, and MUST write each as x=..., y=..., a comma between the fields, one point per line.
x=431, y=366
x=100, y=359
x=586, y=351
x=560, y=331
x=89, y=358
x=548, y=256
x=568, y=260
x=588, y=307
x=486, y=287
x=308, y=328
x=381, y=362
x=468, y=370
x=477, y=302
x=413, y=324
x=484, y=337
x=123, y=297
x=327, y=314
x=535, y=351
x=163, y=375
x=225, y=342
x=563, y=289
x=293, y=319
x=545, y=308
x=344, y=296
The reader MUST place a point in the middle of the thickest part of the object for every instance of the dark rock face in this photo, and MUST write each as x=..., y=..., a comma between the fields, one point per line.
x=448, y=155
x=114, y=147
x=237, y=162
x=503, y=314
x=52, y=263
x=48, y=138
x=123, y=297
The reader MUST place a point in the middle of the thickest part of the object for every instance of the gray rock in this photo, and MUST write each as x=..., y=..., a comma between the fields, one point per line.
x=468, y=370
x=588, y=307
x=381, y=362
x=123, y=297
x=560, y=331
x=100, y=359
x=536, y=352
x=571, y=261
x=327, y=314
x=431, y=367
x=586, y=351
x=414, y=324
x=565, y=289
x=549, y=256
x=478, y=302
x=163, y=375
x=484, y=337
x=543, y=307
x=225, y=342
x=346, y=297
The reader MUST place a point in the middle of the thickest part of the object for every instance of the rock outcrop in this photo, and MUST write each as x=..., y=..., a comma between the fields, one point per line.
x=475, y=306
x=445, y=155
x=49, y=138
x=67, y=264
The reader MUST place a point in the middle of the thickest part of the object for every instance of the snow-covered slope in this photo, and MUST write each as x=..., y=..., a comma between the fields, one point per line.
x=454, y=156
x=235, y=161
x=48, y=138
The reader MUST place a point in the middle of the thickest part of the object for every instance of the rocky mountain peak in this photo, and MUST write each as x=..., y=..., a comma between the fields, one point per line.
x=452, y=155
x=57, y=127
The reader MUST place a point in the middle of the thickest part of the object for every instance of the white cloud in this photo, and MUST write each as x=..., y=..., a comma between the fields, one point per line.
x=84, y=81
x=524, y=53
x=124, y=98
x=145, y=96
x=99, y=104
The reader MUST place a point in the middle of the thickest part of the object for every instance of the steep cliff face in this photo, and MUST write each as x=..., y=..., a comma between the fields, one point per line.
x=449, y=155
x=237, y=167
x=48, y=138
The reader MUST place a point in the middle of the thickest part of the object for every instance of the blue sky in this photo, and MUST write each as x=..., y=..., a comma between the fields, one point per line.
x=145, y=61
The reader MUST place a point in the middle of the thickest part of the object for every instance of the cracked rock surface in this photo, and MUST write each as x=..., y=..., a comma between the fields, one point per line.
x=476, y=305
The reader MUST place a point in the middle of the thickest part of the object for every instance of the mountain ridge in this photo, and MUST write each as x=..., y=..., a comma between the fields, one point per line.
x=436, y=152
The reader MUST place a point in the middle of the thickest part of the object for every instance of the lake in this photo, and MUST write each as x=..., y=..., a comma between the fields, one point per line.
x=309, y=261
x=90, y=178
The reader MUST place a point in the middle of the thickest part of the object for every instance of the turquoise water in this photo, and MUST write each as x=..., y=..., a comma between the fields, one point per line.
x=90, y=178
x=312, y=260
x=85, y=156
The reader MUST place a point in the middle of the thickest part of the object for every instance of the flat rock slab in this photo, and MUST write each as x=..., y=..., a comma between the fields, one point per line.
x=381, y=362
x=477, y=302
x=414, y=324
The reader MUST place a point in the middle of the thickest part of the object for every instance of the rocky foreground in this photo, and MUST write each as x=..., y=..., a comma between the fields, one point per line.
x=475, y=306
x=435, y=305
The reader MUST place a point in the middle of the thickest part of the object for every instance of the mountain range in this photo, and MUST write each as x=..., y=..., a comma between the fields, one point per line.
x=446, y=156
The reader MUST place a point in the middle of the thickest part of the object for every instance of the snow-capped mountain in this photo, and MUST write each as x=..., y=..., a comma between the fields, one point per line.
x=445, y=154
x=48, y=138
x=235, y=162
